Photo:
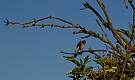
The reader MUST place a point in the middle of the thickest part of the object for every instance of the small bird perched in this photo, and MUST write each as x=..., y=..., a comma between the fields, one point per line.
x=80, y=45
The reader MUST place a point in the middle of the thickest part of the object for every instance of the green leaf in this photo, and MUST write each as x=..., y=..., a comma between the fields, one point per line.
x=88, y=68
x=82, y=67
x=76, y=70
x=86, y=59
x=81, y=61
x=99, y=61
x=71, y=76
x=74, y=61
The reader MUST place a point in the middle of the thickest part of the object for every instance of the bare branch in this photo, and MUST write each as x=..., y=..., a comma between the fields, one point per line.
x=89, y=50
x=116, y=35
x=67, y=52
x=87, y=5
x=30, y=24
x=133, y=7
x=96, y=35
x=108, y=25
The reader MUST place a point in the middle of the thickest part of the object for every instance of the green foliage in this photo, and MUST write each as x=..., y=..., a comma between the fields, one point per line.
x=86, y=59
x=80, y=71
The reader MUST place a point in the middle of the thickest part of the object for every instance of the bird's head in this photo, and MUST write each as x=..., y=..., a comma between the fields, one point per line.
x=84, y=42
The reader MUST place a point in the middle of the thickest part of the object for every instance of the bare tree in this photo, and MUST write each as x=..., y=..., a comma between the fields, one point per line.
x=117, y=63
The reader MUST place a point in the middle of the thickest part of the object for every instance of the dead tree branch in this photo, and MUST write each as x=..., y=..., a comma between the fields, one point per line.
x=107, y=24
x=94, y=52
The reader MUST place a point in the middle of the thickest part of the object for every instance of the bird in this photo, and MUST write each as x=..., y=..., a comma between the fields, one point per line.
x=80, y=45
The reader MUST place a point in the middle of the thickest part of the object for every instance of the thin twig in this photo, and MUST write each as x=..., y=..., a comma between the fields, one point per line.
x=87, y=5
x=101, y=28
x=37, y=20
x=89, y=50
x=116, y=35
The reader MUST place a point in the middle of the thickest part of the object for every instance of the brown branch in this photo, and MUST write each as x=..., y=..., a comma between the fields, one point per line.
x=133, y=7
x=119, y=50
x=117, y=36
x=82, y=30
x=96, y=35
x=123, y=69
x=110, y=43
x=51, y=25
x=49, y=17
x=89, y=50
x=7, y=22
x=87, y=5
x=101, y=28
x=71, y=53
x=134, y=18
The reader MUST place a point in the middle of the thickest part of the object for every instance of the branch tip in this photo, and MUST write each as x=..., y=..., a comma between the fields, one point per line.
x=85, y=6
x=6, y=22
x=61, y=51
x=75, y=32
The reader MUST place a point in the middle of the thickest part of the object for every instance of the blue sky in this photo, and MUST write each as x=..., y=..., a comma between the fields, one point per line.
x=34, y=53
